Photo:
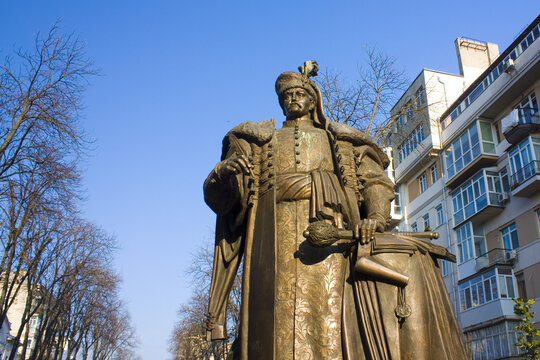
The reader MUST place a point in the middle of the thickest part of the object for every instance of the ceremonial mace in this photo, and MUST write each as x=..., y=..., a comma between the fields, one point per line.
x=321, y=234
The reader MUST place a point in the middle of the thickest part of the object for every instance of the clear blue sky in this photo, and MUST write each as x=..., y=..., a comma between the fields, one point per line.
x=177, y=75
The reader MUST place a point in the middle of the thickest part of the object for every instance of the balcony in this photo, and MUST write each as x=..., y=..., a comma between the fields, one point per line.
x=486, y=296
x=418, y=158
x=496, y=256
x=492, y=310
x=478, y=199
x=517, y=127
x=471, y=151
x=479, y=162
x=526, y=181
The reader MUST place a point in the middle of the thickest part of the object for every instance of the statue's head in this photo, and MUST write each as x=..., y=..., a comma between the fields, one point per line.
x=298, y=94
x=296, y=97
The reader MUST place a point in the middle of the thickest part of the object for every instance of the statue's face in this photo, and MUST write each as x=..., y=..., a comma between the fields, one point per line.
x=297, y=102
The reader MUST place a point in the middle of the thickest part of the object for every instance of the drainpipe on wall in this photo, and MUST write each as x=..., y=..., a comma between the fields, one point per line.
x=451, y=243
x=444, y=89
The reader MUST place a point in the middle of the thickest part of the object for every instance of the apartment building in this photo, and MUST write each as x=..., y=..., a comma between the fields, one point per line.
x=6, y=340
x=17, y=311
x=466, y=163
x=14, y=315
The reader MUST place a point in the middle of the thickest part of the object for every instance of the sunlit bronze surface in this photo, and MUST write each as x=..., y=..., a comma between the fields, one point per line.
x=380, y=296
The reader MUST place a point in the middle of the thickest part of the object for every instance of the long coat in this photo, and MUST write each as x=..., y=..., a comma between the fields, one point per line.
x=302, y=302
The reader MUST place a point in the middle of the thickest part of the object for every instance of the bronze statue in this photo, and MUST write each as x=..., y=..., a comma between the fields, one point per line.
x=287, y=201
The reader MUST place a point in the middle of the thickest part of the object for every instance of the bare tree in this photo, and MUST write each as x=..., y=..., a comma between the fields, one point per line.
x=365, y=103
x=79, y=272
x=55, y=264
x=40, y=142
x=40, y=98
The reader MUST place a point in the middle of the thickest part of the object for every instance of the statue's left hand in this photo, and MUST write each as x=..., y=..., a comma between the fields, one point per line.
x=364, y=231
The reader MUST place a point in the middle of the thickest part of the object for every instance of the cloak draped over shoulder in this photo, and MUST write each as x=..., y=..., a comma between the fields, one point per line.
x=309, y=303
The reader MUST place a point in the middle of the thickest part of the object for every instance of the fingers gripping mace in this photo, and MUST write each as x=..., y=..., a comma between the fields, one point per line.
x=322, y=234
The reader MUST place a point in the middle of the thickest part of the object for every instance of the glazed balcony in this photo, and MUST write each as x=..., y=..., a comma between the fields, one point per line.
x=492, y=310
x=526, y=181
x=488, y=295
x=478, y=199
x=517, y=126
x=474, y=149
x=481, y=160
x=423, y=154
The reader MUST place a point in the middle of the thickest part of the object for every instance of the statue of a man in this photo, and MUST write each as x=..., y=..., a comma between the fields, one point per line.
x=300, y=301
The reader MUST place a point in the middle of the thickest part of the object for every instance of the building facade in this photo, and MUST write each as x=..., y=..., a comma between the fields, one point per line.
x=466, y=163
x=14, y=318
x=21, y=327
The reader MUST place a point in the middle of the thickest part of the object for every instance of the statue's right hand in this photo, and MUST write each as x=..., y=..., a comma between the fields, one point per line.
x=233, y=166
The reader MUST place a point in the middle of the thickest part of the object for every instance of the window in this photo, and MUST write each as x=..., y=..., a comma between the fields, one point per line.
x=476, y=140
x=419, y=133
x=476, y=93
x=471, y=242
x=504, y=180
x=519, y=157
x=463, y=202
x=399, y=121
x=34, y=322
x=422, y=182
x=524, y=161
x=397, y=200
x=527, y=42
x=476, y=194
x=506, y=284
x=479, y=290
x=440, y=215
x=494, y=284
x=420, y=99
x=488, y=140
x=513, y=55
x=455, y=113
x=479, y=240
x=426, y=222
x=495, y=73
x=510, y=237
x=409, y=110
x=527, y=109
x=457, y=204
x=433, y=172
x=494, y=341
x=444, y=267
x=397, y=204
x=464, y=242
x=412, y=141
x=414, y=227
